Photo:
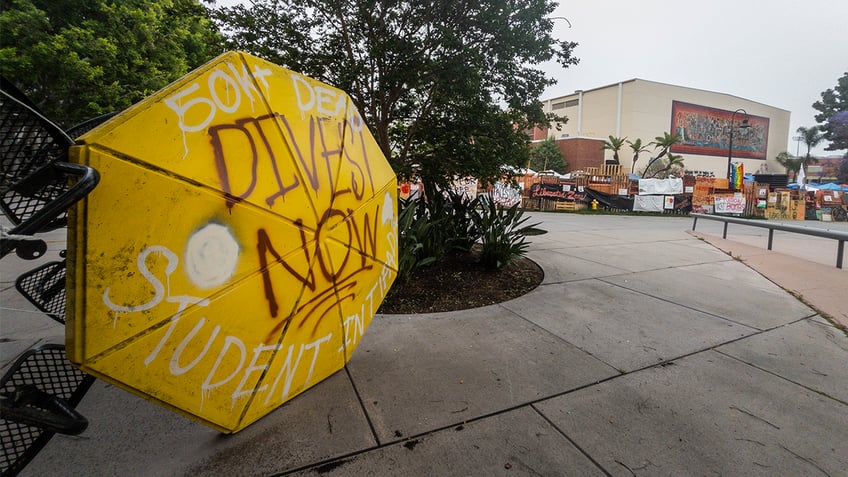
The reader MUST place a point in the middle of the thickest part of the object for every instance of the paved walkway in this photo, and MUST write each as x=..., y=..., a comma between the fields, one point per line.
x=647, y=350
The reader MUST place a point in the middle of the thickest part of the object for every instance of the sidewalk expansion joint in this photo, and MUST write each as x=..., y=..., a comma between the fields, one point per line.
x=820, y=393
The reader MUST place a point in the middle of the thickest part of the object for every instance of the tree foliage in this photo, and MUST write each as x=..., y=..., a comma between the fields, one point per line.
x=842, y=170
x=446, y=86
x=614, y=144
x=80, y=58
x=658, y=166
x=833, y=102
x=790, y=163
x=547, y=155
x=637, y=148
x=811, y=138
x=836, y=130
x=670, y=165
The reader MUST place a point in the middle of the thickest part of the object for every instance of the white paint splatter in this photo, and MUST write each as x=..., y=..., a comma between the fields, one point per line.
x=388, y=209
x=211, y=256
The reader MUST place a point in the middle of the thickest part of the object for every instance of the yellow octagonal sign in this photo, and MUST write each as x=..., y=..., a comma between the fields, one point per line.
x=240, y=240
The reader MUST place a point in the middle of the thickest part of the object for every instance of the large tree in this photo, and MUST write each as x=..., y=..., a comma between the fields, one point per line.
x=836, y=128
x=833, y=102
x=447, y=86
x=842, y=170
x=547, y=155
x=80, y=58
x=614, y=144
x=811, y=137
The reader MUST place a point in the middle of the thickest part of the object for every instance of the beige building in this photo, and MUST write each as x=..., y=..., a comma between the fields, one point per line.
x=646, y=109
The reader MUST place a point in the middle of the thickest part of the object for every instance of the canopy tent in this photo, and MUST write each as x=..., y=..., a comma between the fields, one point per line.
x=828, y=186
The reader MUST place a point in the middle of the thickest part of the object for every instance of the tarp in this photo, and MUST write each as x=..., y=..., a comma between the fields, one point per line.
x=648, y=203
x=660, y=186
x=828, y=186
x=621, y=202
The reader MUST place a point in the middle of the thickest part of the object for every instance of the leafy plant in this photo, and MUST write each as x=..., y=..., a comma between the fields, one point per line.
x=459, y=226
x=413, y=231
x=453, y=210
x=432, y=227
x=502, y=233
x=445, y=221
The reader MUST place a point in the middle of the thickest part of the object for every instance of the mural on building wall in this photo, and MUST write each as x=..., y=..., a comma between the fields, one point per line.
x=241, y=238
x=704, y=130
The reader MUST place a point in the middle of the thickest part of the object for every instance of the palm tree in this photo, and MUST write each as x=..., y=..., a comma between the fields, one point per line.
x=637, y=148
x=614, y=144
x=812, y=137
x=664, y=143
x=674, y=161
x=790, y=163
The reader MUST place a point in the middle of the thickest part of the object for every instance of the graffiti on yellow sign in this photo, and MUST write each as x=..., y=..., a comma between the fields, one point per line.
x=239, y=243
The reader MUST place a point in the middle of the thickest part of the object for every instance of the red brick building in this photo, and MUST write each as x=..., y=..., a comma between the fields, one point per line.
x=578, y=152
x=825, y=170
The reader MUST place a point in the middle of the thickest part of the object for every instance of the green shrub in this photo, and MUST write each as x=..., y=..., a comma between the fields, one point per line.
x=460, y=230
x=453, y=211
x=502, y=233
x=413, y=232
x=444, y=222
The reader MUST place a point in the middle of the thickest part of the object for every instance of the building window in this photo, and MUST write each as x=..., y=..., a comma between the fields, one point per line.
x=571, y=103
x=558, y=105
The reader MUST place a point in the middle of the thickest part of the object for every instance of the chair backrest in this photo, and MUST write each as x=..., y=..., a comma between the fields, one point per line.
x=29, y=144
x=47, y=368
x=78, y=130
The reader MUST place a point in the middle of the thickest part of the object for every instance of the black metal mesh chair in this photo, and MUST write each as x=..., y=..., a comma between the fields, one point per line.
x=35, y=190
x=44, y=287
x=41, y=387
x=40, y=390
x=89, y=124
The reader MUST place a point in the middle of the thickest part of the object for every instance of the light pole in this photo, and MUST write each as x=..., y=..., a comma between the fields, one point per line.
x=561, y=18
x=797, y=140
x=730, y=145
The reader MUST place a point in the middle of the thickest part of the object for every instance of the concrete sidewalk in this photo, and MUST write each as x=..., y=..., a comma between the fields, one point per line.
x=647, y=350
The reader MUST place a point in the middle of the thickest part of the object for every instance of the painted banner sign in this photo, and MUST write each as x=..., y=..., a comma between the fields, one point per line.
x=705, y=130
x=242, y=236
x=555, y=192
x=729, y=205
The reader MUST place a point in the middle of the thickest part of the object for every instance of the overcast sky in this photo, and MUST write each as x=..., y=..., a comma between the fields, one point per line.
x=778, y=52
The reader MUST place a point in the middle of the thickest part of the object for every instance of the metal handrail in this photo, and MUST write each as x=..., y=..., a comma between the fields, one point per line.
x=837, y=235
